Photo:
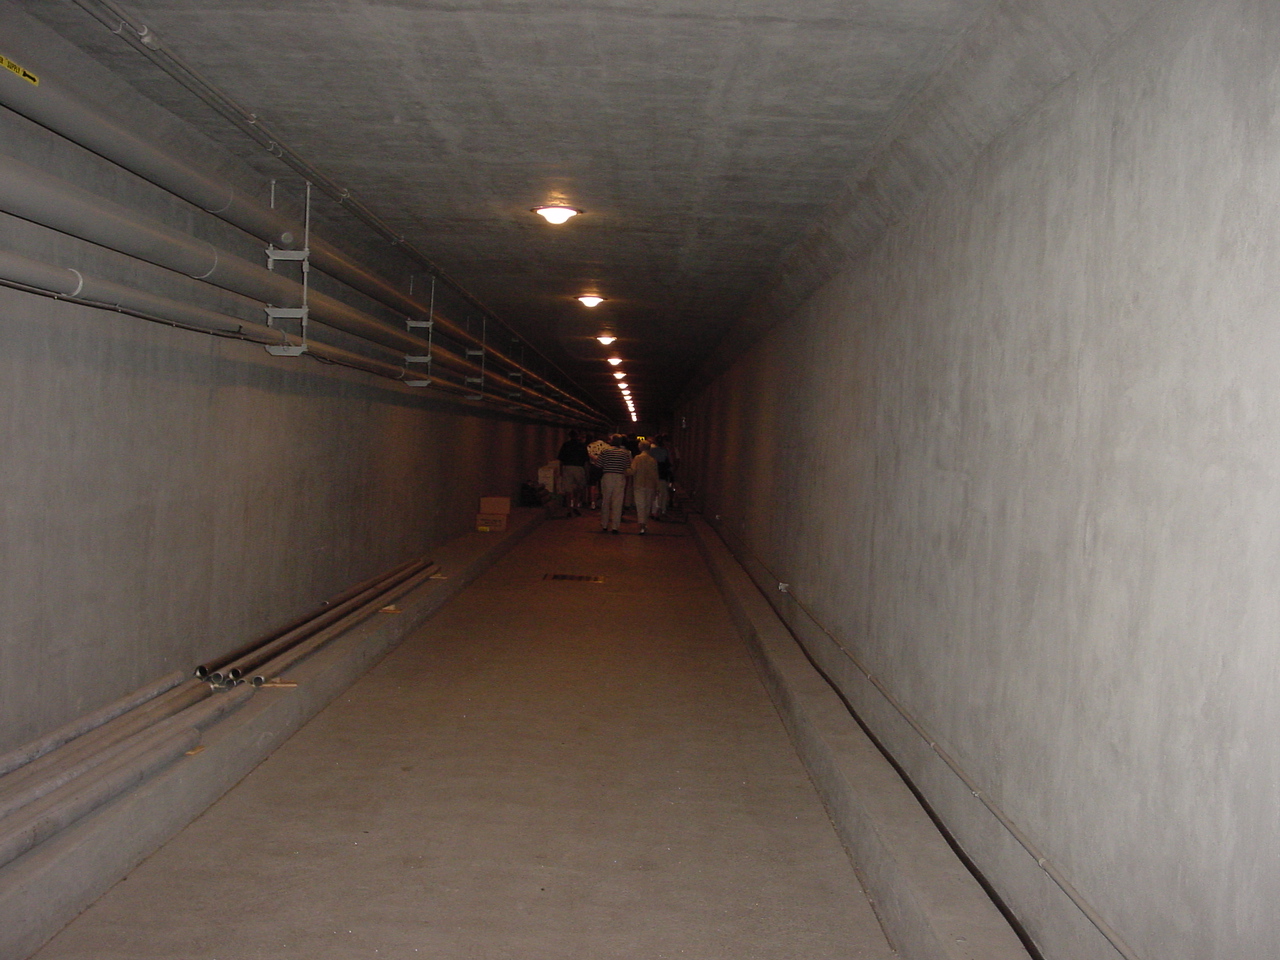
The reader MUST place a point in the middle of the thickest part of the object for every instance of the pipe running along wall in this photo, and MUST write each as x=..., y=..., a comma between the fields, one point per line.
x=210, y=667
x=72, y=285
x=93, y=129
x=66, y=284
x=37, y=748
x=36, y=196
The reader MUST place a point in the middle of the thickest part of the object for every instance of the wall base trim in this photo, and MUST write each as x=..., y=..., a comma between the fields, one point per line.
x=932, y=907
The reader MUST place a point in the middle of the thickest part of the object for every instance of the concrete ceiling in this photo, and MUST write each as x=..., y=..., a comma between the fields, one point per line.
x=703, y=138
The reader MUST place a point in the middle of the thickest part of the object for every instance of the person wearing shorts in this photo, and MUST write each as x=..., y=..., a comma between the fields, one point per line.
x=573, y=471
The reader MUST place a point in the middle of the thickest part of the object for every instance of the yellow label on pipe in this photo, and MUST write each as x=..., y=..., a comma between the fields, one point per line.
x=18, y=70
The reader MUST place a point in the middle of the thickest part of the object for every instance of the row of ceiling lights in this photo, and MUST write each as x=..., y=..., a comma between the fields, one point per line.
x=558, y=214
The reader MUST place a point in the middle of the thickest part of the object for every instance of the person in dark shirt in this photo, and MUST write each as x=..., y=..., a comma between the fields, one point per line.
x=573, y=471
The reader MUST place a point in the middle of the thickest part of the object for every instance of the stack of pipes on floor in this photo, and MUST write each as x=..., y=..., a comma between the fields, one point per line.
x=50, y=783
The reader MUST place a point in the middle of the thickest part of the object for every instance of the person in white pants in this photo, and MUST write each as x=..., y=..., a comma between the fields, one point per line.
x=644, y=471
x=615, y=462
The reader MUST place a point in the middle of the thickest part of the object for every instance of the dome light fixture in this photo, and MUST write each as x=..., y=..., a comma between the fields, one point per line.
x=556, y=213
x=619, y=374
x=614, y=361
x=606, y=339
x=590, y=300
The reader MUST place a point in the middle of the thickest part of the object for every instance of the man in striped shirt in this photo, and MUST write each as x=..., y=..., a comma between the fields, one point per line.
x=615, y=461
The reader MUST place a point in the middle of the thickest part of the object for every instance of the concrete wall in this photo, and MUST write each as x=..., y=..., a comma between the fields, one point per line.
x=165, y=495
x=1021, y=462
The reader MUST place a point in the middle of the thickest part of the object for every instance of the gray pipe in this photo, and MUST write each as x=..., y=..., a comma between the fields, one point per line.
x=64, y=806
x=72, y=285
x=338, y=264
x=33, y=195
x=75, y=285
x=253, y=658
x=13, y=798
x=292, y=655
x=126, y=725
x=51, y=106
x=37, y=748
x=145, y=754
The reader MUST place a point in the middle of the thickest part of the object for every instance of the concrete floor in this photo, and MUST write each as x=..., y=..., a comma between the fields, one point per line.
x=546, y=770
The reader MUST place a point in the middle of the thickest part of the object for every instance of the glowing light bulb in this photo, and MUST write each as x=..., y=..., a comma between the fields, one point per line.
x=590, y=300
x=615, y=361
x=620, y=375
x=606, y=340
x=556, y=213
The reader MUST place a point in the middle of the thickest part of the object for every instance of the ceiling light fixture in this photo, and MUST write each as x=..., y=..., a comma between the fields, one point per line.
x=556, y=213
x=614, y=361
x=590, y=300
x=607, y=339
x=619, y=374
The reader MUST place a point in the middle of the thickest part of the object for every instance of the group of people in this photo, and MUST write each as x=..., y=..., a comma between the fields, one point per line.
x=597, y=472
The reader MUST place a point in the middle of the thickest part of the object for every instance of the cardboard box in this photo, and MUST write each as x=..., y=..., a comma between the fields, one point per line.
x=491, y=522
x=491, y=506
x=549, y=476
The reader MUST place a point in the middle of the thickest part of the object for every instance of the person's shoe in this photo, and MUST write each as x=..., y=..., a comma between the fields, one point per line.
x=613, y=531
x=643, y=528
x=606, y=530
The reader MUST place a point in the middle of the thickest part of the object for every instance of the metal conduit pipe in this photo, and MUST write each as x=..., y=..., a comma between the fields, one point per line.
x=67, y=284
x=74, y=285
x=14, y=796
x=33, y=195
x=66, y=765
x=254, y=659
x=49, y=105
x=91, y=127
x=32, y=826
x=60, y=112
x=207, y=712
x=34, y=749
x=181, y=697
x=336, y=263
x=36, y=196
x=209, y=666
x=147, y=754
x=291, y=655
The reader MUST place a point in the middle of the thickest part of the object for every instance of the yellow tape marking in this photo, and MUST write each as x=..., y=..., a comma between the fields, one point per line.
x=19, y=70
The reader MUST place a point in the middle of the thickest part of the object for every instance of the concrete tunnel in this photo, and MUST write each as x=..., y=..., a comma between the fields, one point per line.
x=960, y=638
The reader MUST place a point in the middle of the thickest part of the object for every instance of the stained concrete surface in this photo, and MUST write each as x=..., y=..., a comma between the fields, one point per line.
x=549, y=769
